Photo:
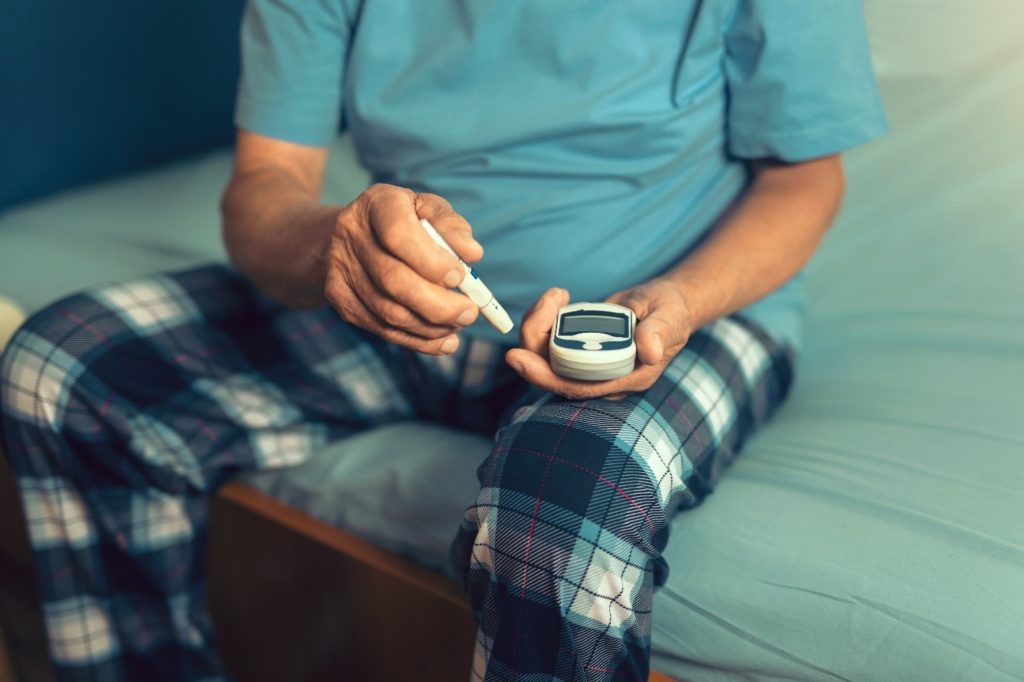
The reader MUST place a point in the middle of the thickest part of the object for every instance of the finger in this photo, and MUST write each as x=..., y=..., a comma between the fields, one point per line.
x=455, y=229
x=433, y=303
x=354, y=310
x=443, y=346
x=385, y=311
x=635, y=299
x=617, y=298
x=538, y=372
x=535, y=369
x=395, y=315
x=535, y=331
x=397, y=230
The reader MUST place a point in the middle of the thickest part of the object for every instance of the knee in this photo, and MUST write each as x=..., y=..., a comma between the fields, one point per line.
x=587, y=462
x=44, y=360
x=622, y=444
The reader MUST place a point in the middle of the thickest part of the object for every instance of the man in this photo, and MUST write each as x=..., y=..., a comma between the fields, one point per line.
x=679, y=158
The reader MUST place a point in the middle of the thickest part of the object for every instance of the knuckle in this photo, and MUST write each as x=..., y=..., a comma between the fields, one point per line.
x=391, y=236
x=334, y=290
x=379, y=190
x=354, y=214
x=349, y=313
x=394, y=314
x=388, y=273
x=433, y=200
x=434, y=347
x=391, y=335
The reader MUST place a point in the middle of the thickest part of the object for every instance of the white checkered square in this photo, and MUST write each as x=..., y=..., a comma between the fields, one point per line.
x=186, y=631
x=149, y=304
x=481, y=654
x=478, y=515
x=80, y=631
x=157, y=521
x=659, y=449
x=285, y=448
x=38, y=378
x=606, y=594
x=163, y=447
x=360, y=377
x=250, y=400
x=744, y=346
x=708, y=393
x=56, y=514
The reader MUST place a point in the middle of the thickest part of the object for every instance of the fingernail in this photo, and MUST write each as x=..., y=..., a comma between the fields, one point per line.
x=465, y=318
x=453, y=278
x=517, y=367
x=449, y=344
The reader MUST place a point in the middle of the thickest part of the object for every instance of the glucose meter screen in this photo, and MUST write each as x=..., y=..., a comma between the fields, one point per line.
x=604, y=324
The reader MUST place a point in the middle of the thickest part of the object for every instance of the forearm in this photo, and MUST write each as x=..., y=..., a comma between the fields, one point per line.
x=276, y=233
x=765, y=239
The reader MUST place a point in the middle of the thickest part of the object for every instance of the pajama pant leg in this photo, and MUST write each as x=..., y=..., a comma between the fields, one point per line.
x=561, y=552
x=122, y=408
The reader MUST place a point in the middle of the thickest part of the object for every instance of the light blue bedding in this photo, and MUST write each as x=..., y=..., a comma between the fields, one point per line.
x=874, y=531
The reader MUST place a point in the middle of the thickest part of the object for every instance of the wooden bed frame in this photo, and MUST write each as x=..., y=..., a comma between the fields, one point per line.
x=292, y=598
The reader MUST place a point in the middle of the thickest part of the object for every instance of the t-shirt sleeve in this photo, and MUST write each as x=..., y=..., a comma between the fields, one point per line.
x=293, y=54
x=799, y=79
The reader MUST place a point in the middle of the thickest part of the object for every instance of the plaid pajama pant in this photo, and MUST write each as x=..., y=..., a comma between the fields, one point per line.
x=125, y=405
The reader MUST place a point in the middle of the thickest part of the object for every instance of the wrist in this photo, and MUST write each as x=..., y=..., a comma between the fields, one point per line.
x=314, y=228
x=286, y=254
x=702, y=303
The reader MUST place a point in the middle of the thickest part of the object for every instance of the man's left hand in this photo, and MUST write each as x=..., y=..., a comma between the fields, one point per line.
x=664, y=323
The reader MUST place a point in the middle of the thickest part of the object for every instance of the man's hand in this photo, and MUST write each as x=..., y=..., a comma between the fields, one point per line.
x=663, y=327
x=384, y=273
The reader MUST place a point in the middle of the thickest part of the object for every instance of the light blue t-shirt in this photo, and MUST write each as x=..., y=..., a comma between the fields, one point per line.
x=590, y=143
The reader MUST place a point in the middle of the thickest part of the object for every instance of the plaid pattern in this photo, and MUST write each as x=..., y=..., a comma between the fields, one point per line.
x=124, y=406
x=561, y=551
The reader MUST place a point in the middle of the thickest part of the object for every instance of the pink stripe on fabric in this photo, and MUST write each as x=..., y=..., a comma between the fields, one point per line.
x=204, y=354
x=593, y=473
x=689, y=424
x=533, y=526
x=314, y=330
x=67, y=314
x=106, y=404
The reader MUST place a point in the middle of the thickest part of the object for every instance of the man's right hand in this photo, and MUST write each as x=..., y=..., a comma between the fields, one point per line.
x=386, y=275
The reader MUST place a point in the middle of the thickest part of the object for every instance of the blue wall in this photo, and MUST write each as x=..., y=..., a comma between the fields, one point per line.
x=89, y=90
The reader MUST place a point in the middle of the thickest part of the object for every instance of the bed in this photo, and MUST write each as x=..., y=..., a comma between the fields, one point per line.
x=875, y=529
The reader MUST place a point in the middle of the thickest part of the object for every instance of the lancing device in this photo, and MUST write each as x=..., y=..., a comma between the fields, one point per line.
x=474, y=287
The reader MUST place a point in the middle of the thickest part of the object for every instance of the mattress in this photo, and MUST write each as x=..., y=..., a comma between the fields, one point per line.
x=875, y=529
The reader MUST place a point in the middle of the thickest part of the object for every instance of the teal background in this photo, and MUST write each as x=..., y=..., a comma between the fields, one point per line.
x=90, y=90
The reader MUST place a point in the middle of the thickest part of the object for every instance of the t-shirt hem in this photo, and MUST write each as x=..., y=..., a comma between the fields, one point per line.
x=802, y=145
x=309, y=132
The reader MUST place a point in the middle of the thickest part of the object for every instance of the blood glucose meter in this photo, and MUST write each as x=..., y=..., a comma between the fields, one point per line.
x=593, y=341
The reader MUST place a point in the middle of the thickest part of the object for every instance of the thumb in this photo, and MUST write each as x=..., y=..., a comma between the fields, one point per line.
x=652, y=335
x=651, y=331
